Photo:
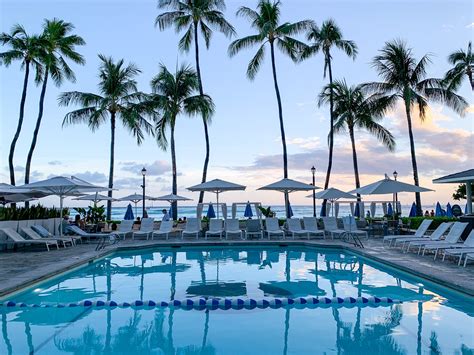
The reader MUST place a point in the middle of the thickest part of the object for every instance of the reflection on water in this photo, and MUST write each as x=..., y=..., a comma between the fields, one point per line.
x=427, y=322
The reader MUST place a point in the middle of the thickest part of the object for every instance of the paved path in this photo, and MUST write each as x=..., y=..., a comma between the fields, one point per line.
x=22, y=268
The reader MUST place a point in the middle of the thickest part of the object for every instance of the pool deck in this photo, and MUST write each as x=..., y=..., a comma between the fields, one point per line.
x=19, y=269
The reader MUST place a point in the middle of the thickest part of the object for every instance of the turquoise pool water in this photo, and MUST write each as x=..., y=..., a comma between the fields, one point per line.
x=431, y=320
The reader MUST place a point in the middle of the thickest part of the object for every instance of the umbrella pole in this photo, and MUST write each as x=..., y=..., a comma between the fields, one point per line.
x=61, y=215
x=217, y=193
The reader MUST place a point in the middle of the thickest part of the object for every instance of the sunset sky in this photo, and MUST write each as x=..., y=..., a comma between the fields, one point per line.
x=245, y=137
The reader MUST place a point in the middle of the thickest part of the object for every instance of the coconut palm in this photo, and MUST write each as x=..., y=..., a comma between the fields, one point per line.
x=324, y=39
x=118, y=99
x=354, y=110
x=405, y=78
x=195, y=16
x=60, y=46
x=27, y=49
x=463, y=64
x=266, y=21
x=175, y=95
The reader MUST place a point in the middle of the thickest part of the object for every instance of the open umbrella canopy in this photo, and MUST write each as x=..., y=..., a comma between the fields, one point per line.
x=15, y=198
x=135, y=198
x=95, y=198
x=288, y=185
x=388, y=186
x=332, y=194
x=217, y=186
x=171, y=198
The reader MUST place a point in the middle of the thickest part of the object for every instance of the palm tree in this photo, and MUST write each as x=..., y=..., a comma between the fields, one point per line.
x=59, y=46
x=324, y=39
x=266, y=21
x=405, y=78
x=172, y=96
x=353, y=109
x=28, y=50
x=463, y=64
x=118, y=99
x=192, y=16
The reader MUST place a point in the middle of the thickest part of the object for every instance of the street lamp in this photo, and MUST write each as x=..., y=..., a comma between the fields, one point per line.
x=395, y=174
x=313, y=171
x=143, y=187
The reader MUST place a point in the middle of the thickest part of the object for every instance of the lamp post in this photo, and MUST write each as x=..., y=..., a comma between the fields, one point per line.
x=313, y=171
x=143, y=187
x=395, y=174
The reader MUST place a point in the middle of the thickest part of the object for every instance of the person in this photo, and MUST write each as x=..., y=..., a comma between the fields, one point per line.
x=367, y=215
x=77, y=220
x=432, y=214
x=64, y=224
x=427, y=214
x=166, y=216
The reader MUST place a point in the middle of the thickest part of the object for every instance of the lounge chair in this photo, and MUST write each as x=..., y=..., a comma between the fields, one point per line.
x=331, y=228
x=88, y=236
x=253, y=227
x=125, y=228
x=44, y=233
x=231, y=226
x=437, y=234
x=461, y=249
x=469, y=256
x=17, y=239
x=31, y=234
x=294, y=227
x=420, y=232
x=272, y=227
x=193, y=227
x=146, y=228
x=450, y=241
x=350, y=227
x=165, y=229
x=216, y=227
x=311, y=225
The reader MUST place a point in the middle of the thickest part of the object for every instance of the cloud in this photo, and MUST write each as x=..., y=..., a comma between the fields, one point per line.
x=305, y=143
x=158, y=167
x=55, y=162
x=92, y=177
x=128, y=183
x=19, y=168
x=471, y=25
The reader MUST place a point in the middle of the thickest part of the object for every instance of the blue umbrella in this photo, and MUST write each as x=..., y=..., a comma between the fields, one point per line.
x=438, y=211
x=129, y=213
x=248, y=211
x=465, y=209
x=412, y=210
x=449, y=210
x=170, y=212
x=323, y=211
x=210, y=212
x=290, y=209
x=389, y=209
x=357, y=210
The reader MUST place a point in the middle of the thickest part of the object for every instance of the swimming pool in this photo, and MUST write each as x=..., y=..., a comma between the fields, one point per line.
x=430, y=319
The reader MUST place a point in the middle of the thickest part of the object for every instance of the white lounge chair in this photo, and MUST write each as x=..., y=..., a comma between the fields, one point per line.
x=350, y=227
x=17, y=239
x=216, y=227
x=146, y=228
x=469, y=256
x=294, y=227
x=311, y=225
x=44, y=233
x=231, y=226
x=450, y=241
x=88, y=236
x=331, y=228
x=272, y=227
x=420, y=232
x=435, y=236
x=31, y=234
x=461, y=249
x=193, y=227
x=253, y=227
x=165, y=229
x=125, y=228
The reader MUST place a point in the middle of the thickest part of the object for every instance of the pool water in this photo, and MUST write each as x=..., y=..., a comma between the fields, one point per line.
x=430, y=320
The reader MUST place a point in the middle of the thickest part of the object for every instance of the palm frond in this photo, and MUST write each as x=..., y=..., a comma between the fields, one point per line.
x=244, y=43
x=256, y=62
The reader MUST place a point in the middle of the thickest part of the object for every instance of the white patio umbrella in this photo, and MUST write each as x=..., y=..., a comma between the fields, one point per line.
x=217, y=186
x=62, y=186
x=171, y=198
x=332, y=194
x=12, y=194
x=288, y=186
x=95, y=198
x=135, y=198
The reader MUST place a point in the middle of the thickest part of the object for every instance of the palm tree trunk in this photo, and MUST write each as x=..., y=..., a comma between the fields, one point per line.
x=419, y=211
x=204, y=122
x=36, y=131
x=282, y=127
x=331, y=132
x=20, y=123
x=111, y=164
x=175, y=175
x=354, y=160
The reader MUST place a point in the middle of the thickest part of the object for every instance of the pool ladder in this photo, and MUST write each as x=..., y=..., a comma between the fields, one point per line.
x=109, y=240
x=352, y=238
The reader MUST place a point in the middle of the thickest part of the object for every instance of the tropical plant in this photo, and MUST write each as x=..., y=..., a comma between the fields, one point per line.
x=405, y=78
x=27, y=49
x=59, y=46
x=192, y=16
x=266, y=21
x=14, y=213
x=174, y=95
x=118, y=99
x=324, y=39
x=460, y=193
x=463, y=64
x=267, y=212
x=354, y=110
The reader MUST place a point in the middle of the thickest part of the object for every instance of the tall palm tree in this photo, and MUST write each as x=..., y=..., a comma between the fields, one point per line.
x=59, y=46
x=174, y=95
x=27, y=49
x=324, y=39
x=354, y=110
x=463, y=64
x=266, y=21
x=405, y=78
x=118, y=99
x=192, y=16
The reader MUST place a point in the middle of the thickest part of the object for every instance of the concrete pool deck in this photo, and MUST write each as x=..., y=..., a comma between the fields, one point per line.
x=20, y=269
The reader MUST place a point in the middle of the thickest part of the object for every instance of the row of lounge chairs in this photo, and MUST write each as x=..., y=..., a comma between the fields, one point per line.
x=444, y=240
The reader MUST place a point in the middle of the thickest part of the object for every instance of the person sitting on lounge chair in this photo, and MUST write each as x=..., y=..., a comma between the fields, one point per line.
x=166, y=216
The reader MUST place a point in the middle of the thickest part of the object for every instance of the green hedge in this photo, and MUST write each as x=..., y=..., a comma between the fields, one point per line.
x=34, y=212
x=416, y=221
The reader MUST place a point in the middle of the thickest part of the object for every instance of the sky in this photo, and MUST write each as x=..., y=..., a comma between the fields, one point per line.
x=244, y=133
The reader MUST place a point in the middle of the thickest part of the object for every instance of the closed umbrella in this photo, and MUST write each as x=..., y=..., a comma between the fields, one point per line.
x=412, y=210
x=290, y=210
x=357, y=210
x=129, y=213
x=210, y=212
x=390, y=209
x=449, y=210
x=438, y=210
x=248, y=211
x=373, y=207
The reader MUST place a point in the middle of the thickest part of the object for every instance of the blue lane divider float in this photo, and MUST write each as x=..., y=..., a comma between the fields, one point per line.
x=221, y=303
